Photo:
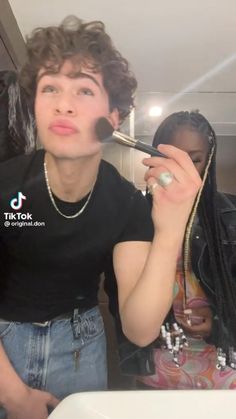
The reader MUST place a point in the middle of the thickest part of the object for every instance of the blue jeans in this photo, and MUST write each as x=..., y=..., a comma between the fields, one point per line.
x=64, y=357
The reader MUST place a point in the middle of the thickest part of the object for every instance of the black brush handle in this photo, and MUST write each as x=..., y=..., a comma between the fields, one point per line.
x=146, y=148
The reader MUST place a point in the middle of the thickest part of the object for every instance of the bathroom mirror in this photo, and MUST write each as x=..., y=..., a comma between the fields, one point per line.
x=184, y=57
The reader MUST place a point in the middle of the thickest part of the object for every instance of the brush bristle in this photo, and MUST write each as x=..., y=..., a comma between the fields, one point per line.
x=104, y=129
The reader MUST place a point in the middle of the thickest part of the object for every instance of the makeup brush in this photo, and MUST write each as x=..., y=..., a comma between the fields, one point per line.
x=105, y=133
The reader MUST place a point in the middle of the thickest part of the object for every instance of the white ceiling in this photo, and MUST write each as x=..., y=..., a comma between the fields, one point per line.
x=183, y=52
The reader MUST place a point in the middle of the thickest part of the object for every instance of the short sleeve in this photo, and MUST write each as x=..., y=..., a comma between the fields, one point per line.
x=139, y=226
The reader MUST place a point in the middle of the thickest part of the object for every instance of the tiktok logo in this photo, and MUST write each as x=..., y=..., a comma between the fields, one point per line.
x=16, y=203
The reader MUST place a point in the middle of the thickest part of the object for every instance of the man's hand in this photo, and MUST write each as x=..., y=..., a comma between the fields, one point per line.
x=30, y=404
x=172, y=203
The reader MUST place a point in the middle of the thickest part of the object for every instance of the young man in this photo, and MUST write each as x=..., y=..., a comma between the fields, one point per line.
x=64, y=211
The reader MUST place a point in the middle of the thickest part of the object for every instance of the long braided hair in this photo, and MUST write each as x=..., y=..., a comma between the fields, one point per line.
x=209, y=219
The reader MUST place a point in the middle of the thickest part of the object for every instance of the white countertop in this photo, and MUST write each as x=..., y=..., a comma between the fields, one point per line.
x=148, y=404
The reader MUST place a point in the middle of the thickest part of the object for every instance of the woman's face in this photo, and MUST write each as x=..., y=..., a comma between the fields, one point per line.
x=194, y=144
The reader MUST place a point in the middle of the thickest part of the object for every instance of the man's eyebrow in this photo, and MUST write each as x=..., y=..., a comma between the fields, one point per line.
x=72, y=75
x=81, y=75
x=46, y=73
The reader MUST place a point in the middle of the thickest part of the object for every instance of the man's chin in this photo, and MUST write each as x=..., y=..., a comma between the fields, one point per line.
x=73, y=154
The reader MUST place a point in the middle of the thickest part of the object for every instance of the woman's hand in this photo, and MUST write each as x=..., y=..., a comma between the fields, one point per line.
x=197, y=323
x=172, y=203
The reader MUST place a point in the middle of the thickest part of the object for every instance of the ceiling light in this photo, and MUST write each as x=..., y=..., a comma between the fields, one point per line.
x=155, y=111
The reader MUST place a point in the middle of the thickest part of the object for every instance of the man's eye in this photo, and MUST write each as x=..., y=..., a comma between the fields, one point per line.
x=85, y=91
x=48, y=89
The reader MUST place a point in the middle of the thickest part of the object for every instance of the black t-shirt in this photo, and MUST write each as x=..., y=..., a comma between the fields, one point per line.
x=50, y=269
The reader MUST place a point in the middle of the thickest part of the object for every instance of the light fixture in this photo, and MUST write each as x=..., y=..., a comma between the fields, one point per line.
x=155, y=111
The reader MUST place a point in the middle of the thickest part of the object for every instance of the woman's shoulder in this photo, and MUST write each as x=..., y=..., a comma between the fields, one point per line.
x=226, y=201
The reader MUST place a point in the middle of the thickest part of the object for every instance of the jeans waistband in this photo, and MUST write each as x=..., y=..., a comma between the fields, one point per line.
x=73, y=314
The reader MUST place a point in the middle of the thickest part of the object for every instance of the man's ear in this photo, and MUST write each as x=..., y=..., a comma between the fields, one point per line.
x=114, y=118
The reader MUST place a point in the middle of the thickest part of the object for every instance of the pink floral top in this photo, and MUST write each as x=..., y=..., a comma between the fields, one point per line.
x=197, y=361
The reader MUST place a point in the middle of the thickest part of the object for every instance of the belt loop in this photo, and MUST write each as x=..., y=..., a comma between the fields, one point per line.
x=76, y=316
x=75, y=323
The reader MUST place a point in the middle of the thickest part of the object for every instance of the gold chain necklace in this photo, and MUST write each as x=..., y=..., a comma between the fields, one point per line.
x=53, y=200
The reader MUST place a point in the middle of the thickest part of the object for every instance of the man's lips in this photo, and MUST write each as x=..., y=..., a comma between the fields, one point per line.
x=63, y=128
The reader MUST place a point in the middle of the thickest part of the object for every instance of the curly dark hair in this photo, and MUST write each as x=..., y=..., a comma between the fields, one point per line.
x=85, y=44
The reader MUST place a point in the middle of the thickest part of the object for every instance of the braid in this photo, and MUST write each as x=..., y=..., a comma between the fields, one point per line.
x=225, y=293
x=209, y=218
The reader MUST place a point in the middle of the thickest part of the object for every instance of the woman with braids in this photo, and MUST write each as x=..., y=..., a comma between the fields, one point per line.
x=197, y=345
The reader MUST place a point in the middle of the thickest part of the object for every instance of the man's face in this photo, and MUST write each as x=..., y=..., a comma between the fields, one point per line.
x=67, y=108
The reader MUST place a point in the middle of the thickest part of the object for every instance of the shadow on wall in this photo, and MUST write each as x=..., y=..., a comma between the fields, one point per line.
x=226, y=164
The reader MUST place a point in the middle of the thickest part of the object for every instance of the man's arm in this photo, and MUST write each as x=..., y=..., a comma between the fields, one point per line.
x=146, y=272
x=19, y=400
x=145, y=302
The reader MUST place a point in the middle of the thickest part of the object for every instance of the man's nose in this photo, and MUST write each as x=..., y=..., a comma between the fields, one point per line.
x=65, y=106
